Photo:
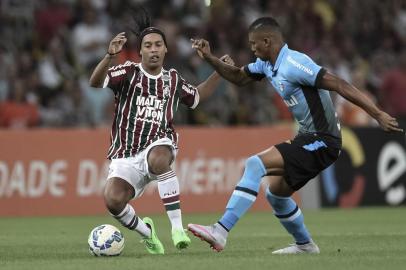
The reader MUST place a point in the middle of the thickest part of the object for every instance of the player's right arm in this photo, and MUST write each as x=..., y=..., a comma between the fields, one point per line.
x=351, y=93
x=231, y=73
x=100, y=72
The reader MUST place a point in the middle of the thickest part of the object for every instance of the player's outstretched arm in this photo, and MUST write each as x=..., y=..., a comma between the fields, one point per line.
x=207, y=87
x=100, y=72
x=351, y=93
x=229, y=72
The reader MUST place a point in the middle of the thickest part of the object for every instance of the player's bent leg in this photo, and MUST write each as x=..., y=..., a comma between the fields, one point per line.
x=290, y=216
x=117, y=194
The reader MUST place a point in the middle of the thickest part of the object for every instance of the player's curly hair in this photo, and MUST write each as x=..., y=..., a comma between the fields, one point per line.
x=142, y=24
x=141, y=18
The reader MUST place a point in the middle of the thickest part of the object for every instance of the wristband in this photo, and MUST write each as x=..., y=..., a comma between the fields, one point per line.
x=111, y=54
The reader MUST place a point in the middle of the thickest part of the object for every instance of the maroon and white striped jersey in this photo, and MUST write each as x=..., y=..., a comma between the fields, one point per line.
x=145, y=106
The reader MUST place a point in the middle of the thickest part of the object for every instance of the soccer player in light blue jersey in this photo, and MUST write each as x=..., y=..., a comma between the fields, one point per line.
x=304, y=87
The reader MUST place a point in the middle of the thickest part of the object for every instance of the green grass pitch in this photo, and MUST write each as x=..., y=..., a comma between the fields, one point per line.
x=364, y=238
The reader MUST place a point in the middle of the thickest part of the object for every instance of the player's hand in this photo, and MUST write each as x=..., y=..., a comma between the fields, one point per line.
x=388, y=123
x=201, y=46
x=227, y=59
x=117, y=43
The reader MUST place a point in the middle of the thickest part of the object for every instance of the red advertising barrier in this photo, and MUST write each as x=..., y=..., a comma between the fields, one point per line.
x=62, y=172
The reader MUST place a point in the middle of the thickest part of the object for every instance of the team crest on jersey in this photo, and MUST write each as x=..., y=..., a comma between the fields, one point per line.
x=166, y=77
x=167, y=91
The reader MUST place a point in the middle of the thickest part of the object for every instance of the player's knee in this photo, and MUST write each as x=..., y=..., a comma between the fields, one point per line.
x=254, y=165
x=115, y=199
x=159, y=159
x=277, y=202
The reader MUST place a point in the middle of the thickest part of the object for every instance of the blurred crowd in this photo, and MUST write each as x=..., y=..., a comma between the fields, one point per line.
x=50, y=47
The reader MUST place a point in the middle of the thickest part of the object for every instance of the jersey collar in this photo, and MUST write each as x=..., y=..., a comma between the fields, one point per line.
x=150, y=75
x=280, y=57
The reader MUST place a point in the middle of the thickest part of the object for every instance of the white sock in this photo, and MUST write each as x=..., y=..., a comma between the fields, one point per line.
x=168, y=187
x=130, y=220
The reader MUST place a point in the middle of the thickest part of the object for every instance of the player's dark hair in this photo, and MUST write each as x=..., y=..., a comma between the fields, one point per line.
x=265, y=23
x=142, y=24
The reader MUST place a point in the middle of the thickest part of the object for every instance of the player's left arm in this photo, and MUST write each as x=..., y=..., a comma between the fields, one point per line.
x=331, y=82
x=207, y=87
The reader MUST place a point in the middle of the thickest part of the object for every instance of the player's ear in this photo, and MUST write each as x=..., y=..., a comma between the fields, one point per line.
x=267, y=42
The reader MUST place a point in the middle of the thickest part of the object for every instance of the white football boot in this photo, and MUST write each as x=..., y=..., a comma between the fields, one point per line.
x=212, y=234
x=310, y=248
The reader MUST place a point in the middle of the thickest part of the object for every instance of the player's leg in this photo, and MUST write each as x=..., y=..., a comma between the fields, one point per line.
x=242, y=197
x=289, y=214
x=120, y=188
x=304, y=157
x=160, y=158
x=117, y=194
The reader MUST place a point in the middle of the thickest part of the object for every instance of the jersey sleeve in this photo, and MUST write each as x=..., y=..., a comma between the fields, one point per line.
x=304, y=71
x=255, y=70
x=189, y=95
x=116, y=76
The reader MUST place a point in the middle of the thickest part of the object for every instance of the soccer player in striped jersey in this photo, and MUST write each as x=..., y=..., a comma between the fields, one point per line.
x=304, y=86
x=143, y=138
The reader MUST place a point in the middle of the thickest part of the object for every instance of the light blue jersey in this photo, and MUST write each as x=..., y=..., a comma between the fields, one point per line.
x=295, y=77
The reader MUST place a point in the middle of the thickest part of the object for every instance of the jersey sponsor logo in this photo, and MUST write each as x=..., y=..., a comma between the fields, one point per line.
x=300, y=66
x=126, y=64
x=118, y=73
x=188, y=90
x=149, y=108
x=291, y=102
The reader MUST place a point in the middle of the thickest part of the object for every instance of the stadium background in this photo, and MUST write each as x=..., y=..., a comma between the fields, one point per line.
x=54, y=132
x=55, y=126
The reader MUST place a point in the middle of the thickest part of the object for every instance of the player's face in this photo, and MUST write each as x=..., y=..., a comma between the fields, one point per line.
x=153, y=50
x=258, y=45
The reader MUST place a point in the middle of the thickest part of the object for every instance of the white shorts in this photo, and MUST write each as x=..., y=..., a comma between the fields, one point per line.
x=135, y=170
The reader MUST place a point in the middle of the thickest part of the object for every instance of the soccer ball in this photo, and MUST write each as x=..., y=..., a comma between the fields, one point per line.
x=105, y=240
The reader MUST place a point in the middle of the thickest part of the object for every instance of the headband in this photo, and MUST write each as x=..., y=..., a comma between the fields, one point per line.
x=150, y=30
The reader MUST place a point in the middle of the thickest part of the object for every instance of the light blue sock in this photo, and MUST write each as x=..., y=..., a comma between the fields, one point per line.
x=245, y=192
x=289, y=214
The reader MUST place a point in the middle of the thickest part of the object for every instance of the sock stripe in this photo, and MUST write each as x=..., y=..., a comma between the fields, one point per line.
x=286, y=216
x=134, y=223
x=225, y=228
x=123, y=213
x=171, y=199
x=246, y=190
x=247, y=196
x=178, y=201
x=171, y=207
x=166, y=176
